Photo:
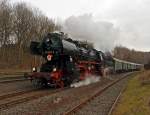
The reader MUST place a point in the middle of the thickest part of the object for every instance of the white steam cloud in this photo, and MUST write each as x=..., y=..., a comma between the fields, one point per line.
x=88, y=80
x=102, y=34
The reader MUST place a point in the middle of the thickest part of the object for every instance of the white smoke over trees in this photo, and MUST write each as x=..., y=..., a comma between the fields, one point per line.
x=101, y=33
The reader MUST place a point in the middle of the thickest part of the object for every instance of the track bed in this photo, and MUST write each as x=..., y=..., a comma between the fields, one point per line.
x=60, y=102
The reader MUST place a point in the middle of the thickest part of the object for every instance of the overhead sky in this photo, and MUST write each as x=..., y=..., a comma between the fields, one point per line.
x=130, y=19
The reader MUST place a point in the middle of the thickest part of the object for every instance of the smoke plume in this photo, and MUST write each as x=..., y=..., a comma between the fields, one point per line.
x=87, y=81
x=102, y=34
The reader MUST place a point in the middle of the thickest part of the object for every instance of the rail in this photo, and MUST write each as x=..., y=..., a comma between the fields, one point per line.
x=83, y=103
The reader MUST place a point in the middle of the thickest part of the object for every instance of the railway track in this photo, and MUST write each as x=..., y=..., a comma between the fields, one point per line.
x=12, y=99
x=12, y=73
x=13, y=80
x=75, y=110
x=115, y=102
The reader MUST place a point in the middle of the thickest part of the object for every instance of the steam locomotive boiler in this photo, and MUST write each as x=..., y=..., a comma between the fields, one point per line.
x=66, y=61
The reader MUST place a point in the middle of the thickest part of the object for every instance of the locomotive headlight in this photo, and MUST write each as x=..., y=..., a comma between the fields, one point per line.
x=47, y=40
x=34, y=69
x=89, y=68
x=71, y=59
x=54, y=69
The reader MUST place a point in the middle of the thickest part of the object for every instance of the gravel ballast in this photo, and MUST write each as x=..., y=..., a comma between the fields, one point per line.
x=62, y=101
x=102, y=104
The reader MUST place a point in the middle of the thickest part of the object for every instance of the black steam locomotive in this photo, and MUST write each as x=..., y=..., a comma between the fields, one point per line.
x=67, y=61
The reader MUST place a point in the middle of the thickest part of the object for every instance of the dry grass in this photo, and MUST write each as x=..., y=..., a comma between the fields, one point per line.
x=145, y=78
x=136, y=98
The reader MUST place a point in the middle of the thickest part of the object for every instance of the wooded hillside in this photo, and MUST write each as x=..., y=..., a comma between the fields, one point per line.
x=19, y=24
x=131, y=55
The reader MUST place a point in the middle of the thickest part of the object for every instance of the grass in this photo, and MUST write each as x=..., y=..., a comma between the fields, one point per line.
x=145, y=78
x=136, y=98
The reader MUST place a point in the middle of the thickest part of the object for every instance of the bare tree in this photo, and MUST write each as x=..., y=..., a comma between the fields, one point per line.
x=23, y=18
x=131, y=55
x=18, y=26
x=5, y=25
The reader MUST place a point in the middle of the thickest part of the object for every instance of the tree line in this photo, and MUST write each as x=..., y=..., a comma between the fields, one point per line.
x=131, y=55
x=19, y=24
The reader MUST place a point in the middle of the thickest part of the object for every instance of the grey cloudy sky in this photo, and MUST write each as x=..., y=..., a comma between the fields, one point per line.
x=130, y=18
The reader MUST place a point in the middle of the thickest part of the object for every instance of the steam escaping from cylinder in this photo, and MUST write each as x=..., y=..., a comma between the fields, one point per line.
x=88, y=80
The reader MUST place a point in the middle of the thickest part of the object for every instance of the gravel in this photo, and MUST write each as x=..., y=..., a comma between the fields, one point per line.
x=60, y=102
x=102, y=104
x=15, y=86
